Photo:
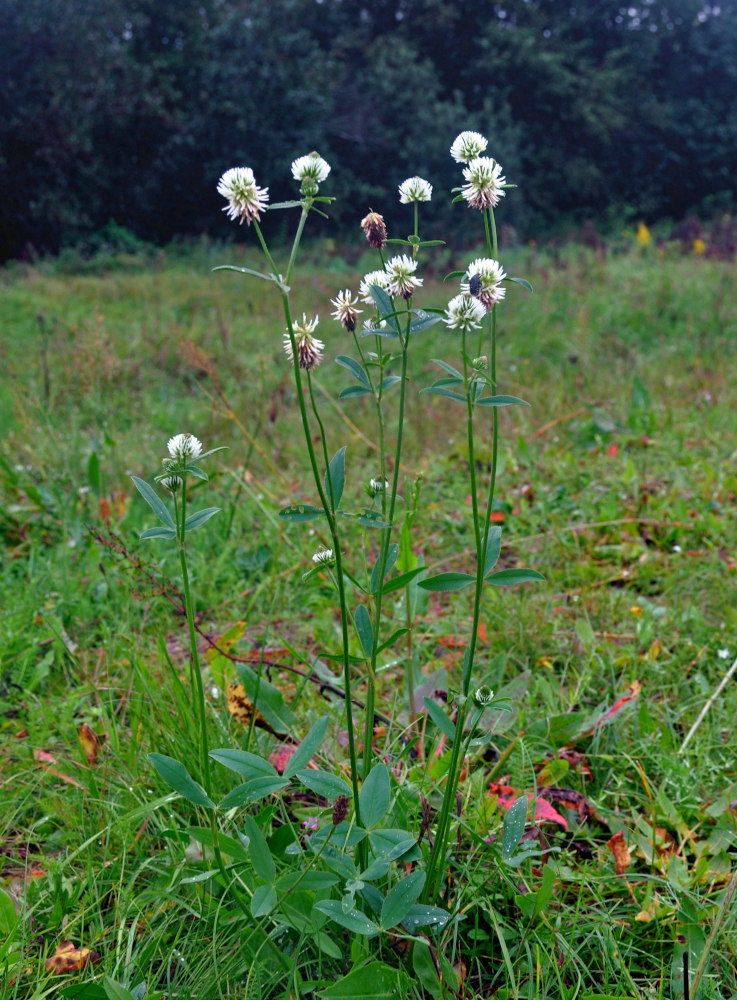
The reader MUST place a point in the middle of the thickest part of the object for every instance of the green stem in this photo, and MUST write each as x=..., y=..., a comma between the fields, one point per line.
x=195, y=661
x=330, y=515
x=383, y=555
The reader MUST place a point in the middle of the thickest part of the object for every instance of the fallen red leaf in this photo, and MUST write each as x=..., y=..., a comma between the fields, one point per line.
x=622, y=856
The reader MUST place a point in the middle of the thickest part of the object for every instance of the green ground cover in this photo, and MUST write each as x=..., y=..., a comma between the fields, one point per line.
x=618, y=484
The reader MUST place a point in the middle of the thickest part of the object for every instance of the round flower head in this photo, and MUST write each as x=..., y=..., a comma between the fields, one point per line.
x=310, y=171
x=401, y=272
x=323, y=557
x=464, y=312
x=485, y=277
x=309, y=348
x=483, y=696
x=378, y=485
x=380, y=278
x=345, y=309
x=184, y=447
x=245, y=199
x=374, y=227
x=484, y=183
x=467, y=146
x=171, y=483
x=414, y=189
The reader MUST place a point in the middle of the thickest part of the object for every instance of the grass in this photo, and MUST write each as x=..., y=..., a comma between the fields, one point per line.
x=618, y=484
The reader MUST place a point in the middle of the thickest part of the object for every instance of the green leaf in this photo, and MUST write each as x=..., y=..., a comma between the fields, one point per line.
x=8, y=916
x=228, y=845
x=159, y=533
x=375, y=981
x=514, y=827
x=284, y=204
x=392, y=553
x=252, y=791
x=493, y=548
x=178, y=777
x=197, y=473
x=447, y=581
x=335, y=478
x=353, y=390
x=425, y=916
x=248, y=765
x=389, y=380
x=355, y=369
x=402, y=580
x=352, y=920
x=501, y=401
x=423, y=321
x=93, y=474
x=424, y=968
x=247, y=270
x=521, y=281
x=401, y=898
x=448, y=368
x=375, y=795
x=309, y=745
x=301, y=512
x=364, y=630
x=329, y=786
x=440, y=391
x=396, y=634
x=510, y=577
x=114, y=991
x=450, y=380
x=369, y=518
x=385, y=306
x=195, y=520
x=391, y=844
x=261, y=859
x=441, y=720
x=154, y=501
x=263, y=900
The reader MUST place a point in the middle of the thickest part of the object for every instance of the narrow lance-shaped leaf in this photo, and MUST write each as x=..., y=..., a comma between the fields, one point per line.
x=335, y=478
x=364, y=629
x=178, y=777
x=493, y=548
x=354, y=368
x=511, y=577
x=155, y=502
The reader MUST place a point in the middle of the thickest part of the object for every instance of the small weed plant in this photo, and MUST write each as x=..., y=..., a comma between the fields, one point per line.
x=384, y=857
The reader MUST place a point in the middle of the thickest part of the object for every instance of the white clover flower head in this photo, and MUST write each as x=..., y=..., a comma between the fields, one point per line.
x=484, y=282
x=172, y=483
x=484, y=183
x=467, y=146
x=245, y=199
x=723, y=654
x=464, y=312
x=184, y=447
x=372, y=325
x=483, y=696
x=309, y=348
x=346, y=312
x=311, y=167
x=414, y=189
x=323, y=557
x=380, y=278
x=378, y=485
x=480, y=364
x=402, y=280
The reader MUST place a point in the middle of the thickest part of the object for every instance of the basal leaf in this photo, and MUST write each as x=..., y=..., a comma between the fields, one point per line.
x=178, y=777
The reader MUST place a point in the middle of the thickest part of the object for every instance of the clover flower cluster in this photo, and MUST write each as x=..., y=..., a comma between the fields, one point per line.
x=183, y=449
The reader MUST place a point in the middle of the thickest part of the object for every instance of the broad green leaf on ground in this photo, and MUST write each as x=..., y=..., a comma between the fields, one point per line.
x=178, y=777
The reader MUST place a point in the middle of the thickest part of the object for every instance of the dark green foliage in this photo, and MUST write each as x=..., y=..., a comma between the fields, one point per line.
x=131, y=111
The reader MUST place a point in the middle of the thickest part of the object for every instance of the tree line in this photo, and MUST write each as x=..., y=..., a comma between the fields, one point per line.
x=129, y=110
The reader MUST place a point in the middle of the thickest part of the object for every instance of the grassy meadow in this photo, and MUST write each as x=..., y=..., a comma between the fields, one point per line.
x=617, y=483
